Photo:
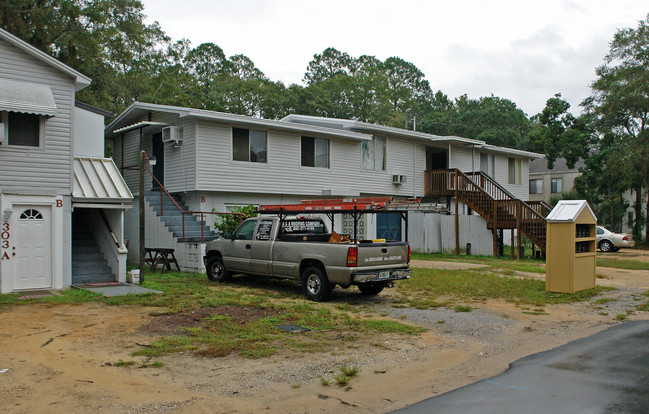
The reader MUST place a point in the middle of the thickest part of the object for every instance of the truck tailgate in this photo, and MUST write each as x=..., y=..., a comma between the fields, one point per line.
x=380, y=254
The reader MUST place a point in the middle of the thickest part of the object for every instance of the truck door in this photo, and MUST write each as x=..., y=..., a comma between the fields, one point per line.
x=241, y=248
x=262, y=247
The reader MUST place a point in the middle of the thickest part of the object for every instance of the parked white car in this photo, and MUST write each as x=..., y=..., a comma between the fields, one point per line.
x=609, y=241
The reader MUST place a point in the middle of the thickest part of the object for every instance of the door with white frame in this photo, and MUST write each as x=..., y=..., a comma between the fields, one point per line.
x=32, y=247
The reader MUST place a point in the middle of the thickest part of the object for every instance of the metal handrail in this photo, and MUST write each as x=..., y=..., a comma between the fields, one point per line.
x=183, y=212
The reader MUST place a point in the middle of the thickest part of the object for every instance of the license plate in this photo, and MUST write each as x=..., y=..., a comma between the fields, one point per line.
x=384, y=275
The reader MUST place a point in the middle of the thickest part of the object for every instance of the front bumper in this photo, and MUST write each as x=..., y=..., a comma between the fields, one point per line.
x=381, y=276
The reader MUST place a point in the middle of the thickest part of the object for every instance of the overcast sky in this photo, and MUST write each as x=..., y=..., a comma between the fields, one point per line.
x=522, y=50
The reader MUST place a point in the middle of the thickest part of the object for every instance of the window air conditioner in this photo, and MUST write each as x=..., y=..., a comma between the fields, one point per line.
x=403, y=179
x=396, y=179
x=2, y=132
x=172, y=134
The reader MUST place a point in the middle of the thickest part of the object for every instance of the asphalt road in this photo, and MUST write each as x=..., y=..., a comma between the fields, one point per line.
x=604, y=373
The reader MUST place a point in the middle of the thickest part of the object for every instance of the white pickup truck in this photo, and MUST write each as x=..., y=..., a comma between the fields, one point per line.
x=302, y=249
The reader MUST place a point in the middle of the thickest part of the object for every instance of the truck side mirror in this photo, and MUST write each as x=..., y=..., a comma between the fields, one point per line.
x=228, y=235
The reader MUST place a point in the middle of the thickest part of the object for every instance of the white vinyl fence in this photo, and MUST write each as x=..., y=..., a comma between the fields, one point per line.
x=435, y=233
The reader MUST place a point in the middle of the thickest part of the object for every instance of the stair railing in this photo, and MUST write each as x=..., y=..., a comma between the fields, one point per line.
x=489, y=199
x=183, y=212
x=540, y=207
x=110, y=230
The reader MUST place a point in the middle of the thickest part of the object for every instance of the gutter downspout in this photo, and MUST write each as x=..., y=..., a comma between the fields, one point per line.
x=450, y=154
x=414, y=169
x=472, y=158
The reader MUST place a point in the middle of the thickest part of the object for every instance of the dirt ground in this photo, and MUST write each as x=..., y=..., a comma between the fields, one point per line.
x=65, y=358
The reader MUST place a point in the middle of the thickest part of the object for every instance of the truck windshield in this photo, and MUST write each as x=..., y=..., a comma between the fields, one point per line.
x=303, y=226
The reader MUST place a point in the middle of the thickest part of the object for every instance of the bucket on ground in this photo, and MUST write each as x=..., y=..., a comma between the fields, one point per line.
x=134, y=276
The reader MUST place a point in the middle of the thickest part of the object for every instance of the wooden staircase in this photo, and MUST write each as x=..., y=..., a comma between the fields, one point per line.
x=491, y=201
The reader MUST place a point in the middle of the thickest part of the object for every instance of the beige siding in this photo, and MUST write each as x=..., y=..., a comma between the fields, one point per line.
x=461, y=159
x=128, y=165
x=283, y=174
x=180, y=161
x=47, y=168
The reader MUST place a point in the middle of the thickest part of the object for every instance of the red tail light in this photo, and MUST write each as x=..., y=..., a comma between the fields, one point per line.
x=352, y=256
x=408, y=253
x=625, y=238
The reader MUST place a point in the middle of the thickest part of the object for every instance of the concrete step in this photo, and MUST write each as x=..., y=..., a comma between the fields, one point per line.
x=89, y=267
x=188, y=226
x=84, y=248
x=88, y=257
x=92, y=278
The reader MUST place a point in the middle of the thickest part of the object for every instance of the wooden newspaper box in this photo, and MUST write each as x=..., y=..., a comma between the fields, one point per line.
x=570, y=248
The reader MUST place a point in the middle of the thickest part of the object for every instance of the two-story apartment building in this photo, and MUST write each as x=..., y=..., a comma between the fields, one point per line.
x=214, y=161
x=546, y=184
x=51, y=200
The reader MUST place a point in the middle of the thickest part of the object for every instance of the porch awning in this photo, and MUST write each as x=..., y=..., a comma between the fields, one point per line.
x=30, y=98
x=98, y=179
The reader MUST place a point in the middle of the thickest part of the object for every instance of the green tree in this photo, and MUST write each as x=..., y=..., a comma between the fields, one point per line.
x=619, y=108
x=107, y=40
x=407, y=87
x=495, y=120
x=229, y=223
x=328, y=64
x=557, y=133
x=206, y=62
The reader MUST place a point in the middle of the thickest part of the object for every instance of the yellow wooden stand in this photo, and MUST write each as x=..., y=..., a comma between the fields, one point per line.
x=570, y=248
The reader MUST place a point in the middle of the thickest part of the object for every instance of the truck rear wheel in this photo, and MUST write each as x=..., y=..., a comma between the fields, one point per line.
x=216, y=270
x=315, y=284
x=373, y=289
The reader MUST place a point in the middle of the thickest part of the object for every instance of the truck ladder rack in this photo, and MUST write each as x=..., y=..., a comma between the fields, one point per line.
x=356, y=207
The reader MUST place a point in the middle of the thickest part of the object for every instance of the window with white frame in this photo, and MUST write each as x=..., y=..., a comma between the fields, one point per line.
x=536, y=186
x=556, y=185
x=514, y=170
x=488, y=164
x=249, y=145
x=22, y=129
x=314, y=152
x=373, y=155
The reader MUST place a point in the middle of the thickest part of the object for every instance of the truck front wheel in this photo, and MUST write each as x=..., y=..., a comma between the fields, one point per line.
x=216, y=270
x=315, y=284
x=373, y=289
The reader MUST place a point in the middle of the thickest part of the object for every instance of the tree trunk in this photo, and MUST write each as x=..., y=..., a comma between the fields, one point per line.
x=637, y=229
x=646, y=223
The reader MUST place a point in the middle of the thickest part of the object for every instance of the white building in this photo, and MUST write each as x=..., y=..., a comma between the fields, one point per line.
x=216, y=161
x=61, y=202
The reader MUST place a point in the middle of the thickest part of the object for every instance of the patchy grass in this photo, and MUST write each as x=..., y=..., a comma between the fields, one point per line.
x=430, y=288
x=602, y=301
x=71, y=297
x=218, y=335
x=503, y=264
x=645, y=306
x=462, y=308
x=342, y=380
x=349, y=371
x=390, y=326
x=346, y=375
x=9, y=299
x=123, y=363
x=623, y=264
x=622, y=317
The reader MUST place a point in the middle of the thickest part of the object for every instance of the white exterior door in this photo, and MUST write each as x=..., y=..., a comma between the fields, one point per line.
x=32, y=259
